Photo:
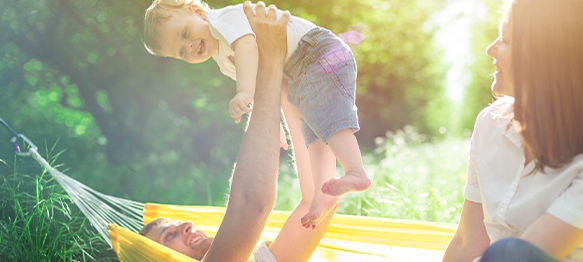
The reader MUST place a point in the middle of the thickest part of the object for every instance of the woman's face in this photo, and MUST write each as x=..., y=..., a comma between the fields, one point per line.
x=501, y=51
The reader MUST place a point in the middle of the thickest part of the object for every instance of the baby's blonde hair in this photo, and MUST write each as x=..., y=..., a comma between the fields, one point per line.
x=159, y=12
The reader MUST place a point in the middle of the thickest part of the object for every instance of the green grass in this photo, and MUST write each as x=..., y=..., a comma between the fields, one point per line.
x=411, y=179
x=38, y=221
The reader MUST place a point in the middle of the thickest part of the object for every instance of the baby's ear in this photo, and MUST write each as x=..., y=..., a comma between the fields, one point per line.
x=199, y=11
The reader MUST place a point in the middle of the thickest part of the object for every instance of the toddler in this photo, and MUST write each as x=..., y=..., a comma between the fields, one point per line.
x=320, y=70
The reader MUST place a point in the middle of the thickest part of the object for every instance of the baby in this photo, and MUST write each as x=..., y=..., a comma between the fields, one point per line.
x=320, y=70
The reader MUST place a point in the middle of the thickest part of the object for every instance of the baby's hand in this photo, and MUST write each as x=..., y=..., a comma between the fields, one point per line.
x=238, y=105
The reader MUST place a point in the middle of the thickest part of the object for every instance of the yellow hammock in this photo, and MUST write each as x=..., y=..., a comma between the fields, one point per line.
x=348, y=238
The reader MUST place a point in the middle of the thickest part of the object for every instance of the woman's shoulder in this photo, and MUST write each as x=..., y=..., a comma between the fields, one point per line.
x=503, y=105
x=498, y=113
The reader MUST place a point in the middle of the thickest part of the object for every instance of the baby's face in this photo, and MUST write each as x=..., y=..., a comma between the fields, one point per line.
x=186, y=36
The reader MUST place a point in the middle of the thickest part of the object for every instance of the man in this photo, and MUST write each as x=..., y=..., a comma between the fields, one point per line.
x=253, y=185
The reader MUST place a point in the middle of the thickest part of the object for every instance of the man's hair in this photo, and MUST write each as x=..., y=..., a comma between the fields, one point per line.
x=547, y=59
x=152, y=224
x=159, y=12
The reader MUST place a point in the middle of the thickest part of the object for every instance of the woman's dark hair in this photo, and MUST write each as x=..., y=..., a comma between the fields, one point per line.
x=547, y=60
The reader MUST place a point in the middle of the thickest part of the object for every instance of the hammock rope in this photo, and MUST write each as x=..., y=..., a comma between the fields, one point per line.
x=348, y=238
x=99, y=208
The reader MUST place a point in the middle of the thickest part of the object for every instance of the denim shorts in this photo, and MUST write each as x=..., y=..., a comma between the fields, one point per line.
x=321, y=78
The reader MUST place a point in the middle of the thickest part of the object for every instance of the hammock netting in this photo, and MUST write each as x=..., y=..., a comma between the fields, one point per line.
x=348, y=238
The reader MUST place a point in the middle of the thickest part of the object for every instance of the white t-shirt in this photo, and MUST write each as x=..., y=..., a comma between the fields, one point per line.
x=263, y=254
x=230, y=23
x=511, y=199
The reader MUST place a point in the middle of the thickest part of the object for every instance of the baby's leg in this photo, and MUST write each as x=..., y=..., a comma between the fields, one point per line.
x=300, y=151
x=343, y=144
x=292, y=233
x=323, y=165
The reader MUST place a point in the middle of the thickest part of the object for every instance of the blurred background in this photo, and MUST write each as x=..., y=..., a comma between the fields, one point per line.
x=76, y=79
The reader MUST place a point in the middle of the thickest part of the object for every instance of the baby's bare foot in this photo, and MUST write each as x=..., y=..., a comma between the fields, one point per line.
x=346, y=184
x=320, y=207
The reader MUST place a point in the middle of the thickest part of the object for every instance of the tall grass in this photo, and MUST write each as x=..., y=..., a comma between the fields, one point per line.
x=411, y=179
x=38, y=221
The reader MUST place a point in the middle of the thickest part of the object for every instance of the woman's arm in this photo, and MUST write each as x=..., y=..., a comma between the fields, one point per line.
x=470, y=239
x=553, y=235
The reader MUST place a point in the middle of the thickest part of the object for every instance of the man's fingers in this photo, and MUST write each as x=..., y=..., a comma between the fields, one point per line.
x=284, y=17
x=260, y=9
x=248, y=10
x=271, y=13
x=237, y=120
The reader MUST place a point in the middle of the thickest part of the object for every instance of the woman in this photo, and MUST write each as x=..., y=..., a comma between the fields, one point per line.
x=524, y=191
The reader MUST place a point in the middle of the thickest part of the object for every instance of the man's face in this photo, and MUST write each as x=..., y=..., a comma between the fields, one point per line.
x=182, y=237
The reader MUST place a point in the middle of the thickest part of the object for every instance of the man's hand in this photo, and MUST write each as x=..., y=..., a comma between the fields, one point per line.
x=270, y=34
x=238, y=105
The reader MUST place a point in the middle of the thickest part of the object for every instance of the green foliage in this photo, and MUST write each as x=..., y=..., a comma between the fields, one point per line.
x=417, y=181
x=478, y=93
x=157, y=129
x=411, y=179
x=38, y=222
x=78, y=69
x=74, y=73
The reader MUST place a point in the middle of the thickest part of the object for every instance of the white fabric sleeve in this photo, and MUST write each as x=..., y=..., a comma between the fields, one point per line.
x=231, y=23
x=569, y=205
x=472, y=187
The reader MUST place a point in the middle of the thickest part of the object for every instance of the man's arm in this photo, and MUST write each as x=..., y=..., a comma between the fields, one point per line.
x=470, y=239
x=253, y=185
